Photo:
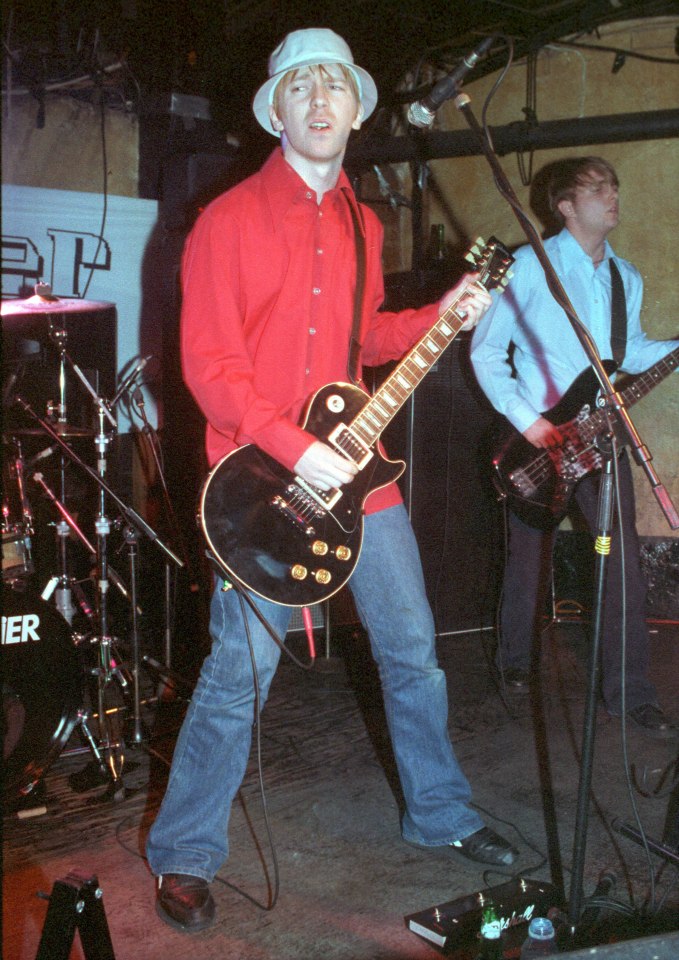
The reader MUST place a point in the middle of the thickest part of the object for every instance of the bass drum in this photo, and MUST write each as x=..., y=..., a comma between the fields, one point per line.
x=41, y=689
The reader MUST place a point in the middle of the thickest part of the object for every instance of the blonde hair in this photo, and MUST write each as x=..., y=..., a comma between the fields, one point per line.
x=321, y=68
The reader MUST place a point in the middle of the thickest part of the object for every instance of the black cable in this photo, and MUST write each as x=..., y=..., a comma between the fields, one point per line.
x=104, y=160
x=623, y=673
x=618, y=50
x=258, y=744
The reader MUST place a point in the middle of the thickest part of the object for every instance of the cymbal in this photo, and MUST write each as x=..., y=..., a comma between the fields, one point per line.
x=50, y=304
x=62, y=429
x=13, y=311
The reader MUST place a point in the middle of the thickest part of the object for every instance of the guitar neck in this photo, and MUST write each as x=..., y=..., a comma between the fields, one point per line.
x=637, y=390
x=491, y=264
x=646, y=381
x=378, y=413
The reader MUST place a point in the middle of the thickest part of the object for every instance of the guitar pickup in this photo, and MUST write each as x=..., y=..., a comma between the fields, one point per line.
x=519, y=479
x=350, y=446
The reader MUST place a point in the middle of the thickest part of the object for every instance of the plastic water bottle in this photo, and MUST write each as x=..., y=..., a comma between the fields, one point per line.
x=540, y=941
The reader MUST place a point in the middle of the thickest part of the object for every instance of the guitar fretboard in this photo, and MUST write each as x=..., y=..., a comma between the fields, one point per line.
x=380, y=410
x=638, y=389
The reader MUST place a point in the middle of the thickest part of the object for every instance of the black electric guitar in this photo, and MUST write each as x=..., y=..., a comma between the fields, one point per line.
x=539, y=483
x=285, y=539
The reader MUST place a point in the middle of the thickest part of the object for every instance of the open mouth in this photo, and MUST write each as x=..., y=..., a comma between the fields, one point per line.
x=319, y=125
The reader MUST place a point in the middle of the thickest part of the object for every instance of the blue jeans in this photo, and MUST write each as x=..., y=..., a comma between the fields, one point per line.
x=190, y=832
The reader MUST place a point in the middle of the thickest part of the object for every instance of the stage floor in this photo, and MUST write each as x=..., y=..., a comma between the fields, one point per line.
x=346, y=878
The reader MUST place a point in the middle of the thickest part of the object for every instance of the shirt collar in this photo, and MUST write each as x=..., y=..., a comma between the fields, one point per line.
x=573, y=252
x=284, y=186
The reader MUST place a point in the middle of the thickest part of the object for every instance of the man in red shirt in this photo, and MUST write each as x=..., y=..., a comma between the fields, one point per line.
x=268, y=277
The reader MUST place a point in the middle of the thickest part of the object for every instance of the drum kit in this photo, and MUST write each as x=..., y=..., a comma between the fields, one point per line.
x=61, y=665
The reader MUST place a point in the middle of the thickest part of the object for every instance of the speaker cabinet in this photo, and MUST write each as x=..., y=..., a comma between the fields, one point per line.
x=443, y=433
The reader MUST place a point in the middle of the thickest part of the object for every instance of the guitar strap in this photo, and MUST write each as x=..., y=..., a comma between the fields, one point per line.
x=618, y=315
x=354, y=342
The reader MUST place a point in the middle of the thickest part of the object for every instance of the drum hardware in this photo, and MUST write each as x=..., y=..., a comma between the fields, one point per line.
x=17, y=518
x=69, y=522
x=106, y=670
x=132, y=541
x=65, y=430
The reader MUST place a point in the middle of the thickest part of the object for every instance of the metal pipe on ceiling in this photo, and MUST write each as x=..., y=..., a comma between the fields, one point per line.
x=520, y=136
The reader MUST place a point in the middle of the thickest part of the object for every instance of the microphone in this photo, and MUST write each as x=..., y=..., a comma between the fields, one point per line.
x=130, y=378
x=421, y=112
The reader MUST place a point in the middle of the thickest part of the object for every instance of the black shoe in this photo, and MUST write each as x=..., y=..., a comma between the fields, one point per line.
x=652, y=721
x=185, y=902
x=486, y=846
x=515, y=680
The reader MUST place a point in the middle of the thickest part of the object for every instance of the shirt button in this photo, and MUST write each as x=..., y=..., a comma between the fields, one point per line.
x=319, y=251
x=307, y=371
x=316, y=291
x=312, y=330
x=309, y=195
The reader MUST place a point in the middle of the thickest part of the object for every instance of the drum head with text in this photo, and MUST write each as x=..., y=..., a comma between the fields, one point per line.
x=40, y=688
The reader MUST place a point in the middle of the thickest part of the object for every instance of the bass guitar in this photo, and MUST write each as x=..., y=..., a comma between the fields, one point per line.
x=283, y=538
x=539, y=483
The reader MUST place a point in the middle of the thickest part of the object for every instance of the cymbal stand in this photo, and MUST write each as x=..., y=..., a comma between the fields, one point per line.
x=61, y=586
x=107, y=670
x=72, y=523
x=132, y=540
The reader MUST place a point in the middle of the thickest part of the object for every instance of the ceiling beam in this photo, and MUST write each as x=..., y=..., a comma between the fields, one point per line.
x=513, y=137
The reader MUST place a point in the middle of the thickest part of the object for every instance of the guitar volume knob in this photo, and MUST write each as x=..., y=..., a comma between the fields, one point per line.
x=322, y=576
x=343, y=553
x=298, y=572
x=319, y=548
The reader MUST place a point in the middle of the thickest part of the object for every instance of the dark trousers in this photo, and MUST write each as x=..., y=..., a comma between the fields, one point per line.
x=526, y=587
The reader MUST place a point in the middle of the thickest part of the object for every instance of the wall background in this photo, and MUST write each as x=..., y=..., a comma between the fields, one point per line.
x=575, y=83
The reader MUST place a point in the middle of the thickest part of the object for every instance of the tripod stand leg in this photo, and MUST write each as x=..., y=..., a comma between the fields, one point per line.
x=75, y=904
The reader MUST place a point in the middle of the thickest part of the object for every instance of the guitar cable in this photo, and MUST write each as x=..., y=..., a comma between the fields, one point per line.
x=243, y=598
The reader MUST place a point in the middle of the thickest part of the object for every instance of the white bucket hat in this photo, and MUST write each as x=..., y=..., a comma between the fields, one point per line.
x=302, y=48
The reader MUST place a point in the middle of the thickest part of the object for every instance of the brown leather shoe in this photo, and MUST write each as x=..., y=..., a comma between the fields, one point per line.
x=185, y=902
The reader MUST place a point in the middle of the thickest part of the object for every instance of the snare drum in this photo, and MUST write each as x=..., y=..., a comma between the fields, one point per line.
x=41, y=688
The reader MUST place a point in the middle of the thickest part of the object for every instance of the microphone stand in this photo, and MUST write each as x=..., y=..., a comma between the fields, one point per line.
x=620, y=424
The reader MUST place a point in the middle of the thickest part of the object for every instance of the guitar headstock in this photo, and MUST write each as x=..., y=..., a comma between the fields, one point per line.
x=491, y=261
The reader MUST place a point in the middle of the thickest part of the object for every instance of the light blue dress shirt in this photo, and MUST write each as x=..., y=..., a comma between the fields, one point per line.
x=547, y=354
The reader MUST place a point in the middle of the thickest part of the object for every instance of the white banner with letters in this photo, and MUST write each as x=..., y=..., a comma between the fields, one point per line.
x=55, y=236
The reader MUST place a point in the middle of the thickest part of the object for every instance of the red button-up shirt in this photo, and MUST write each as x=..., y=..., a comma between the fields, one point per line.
x=268, y=279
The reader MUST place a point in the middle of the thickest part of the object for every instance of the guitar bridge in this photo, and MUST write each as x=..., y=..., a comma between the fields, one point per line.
x=300, y=508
